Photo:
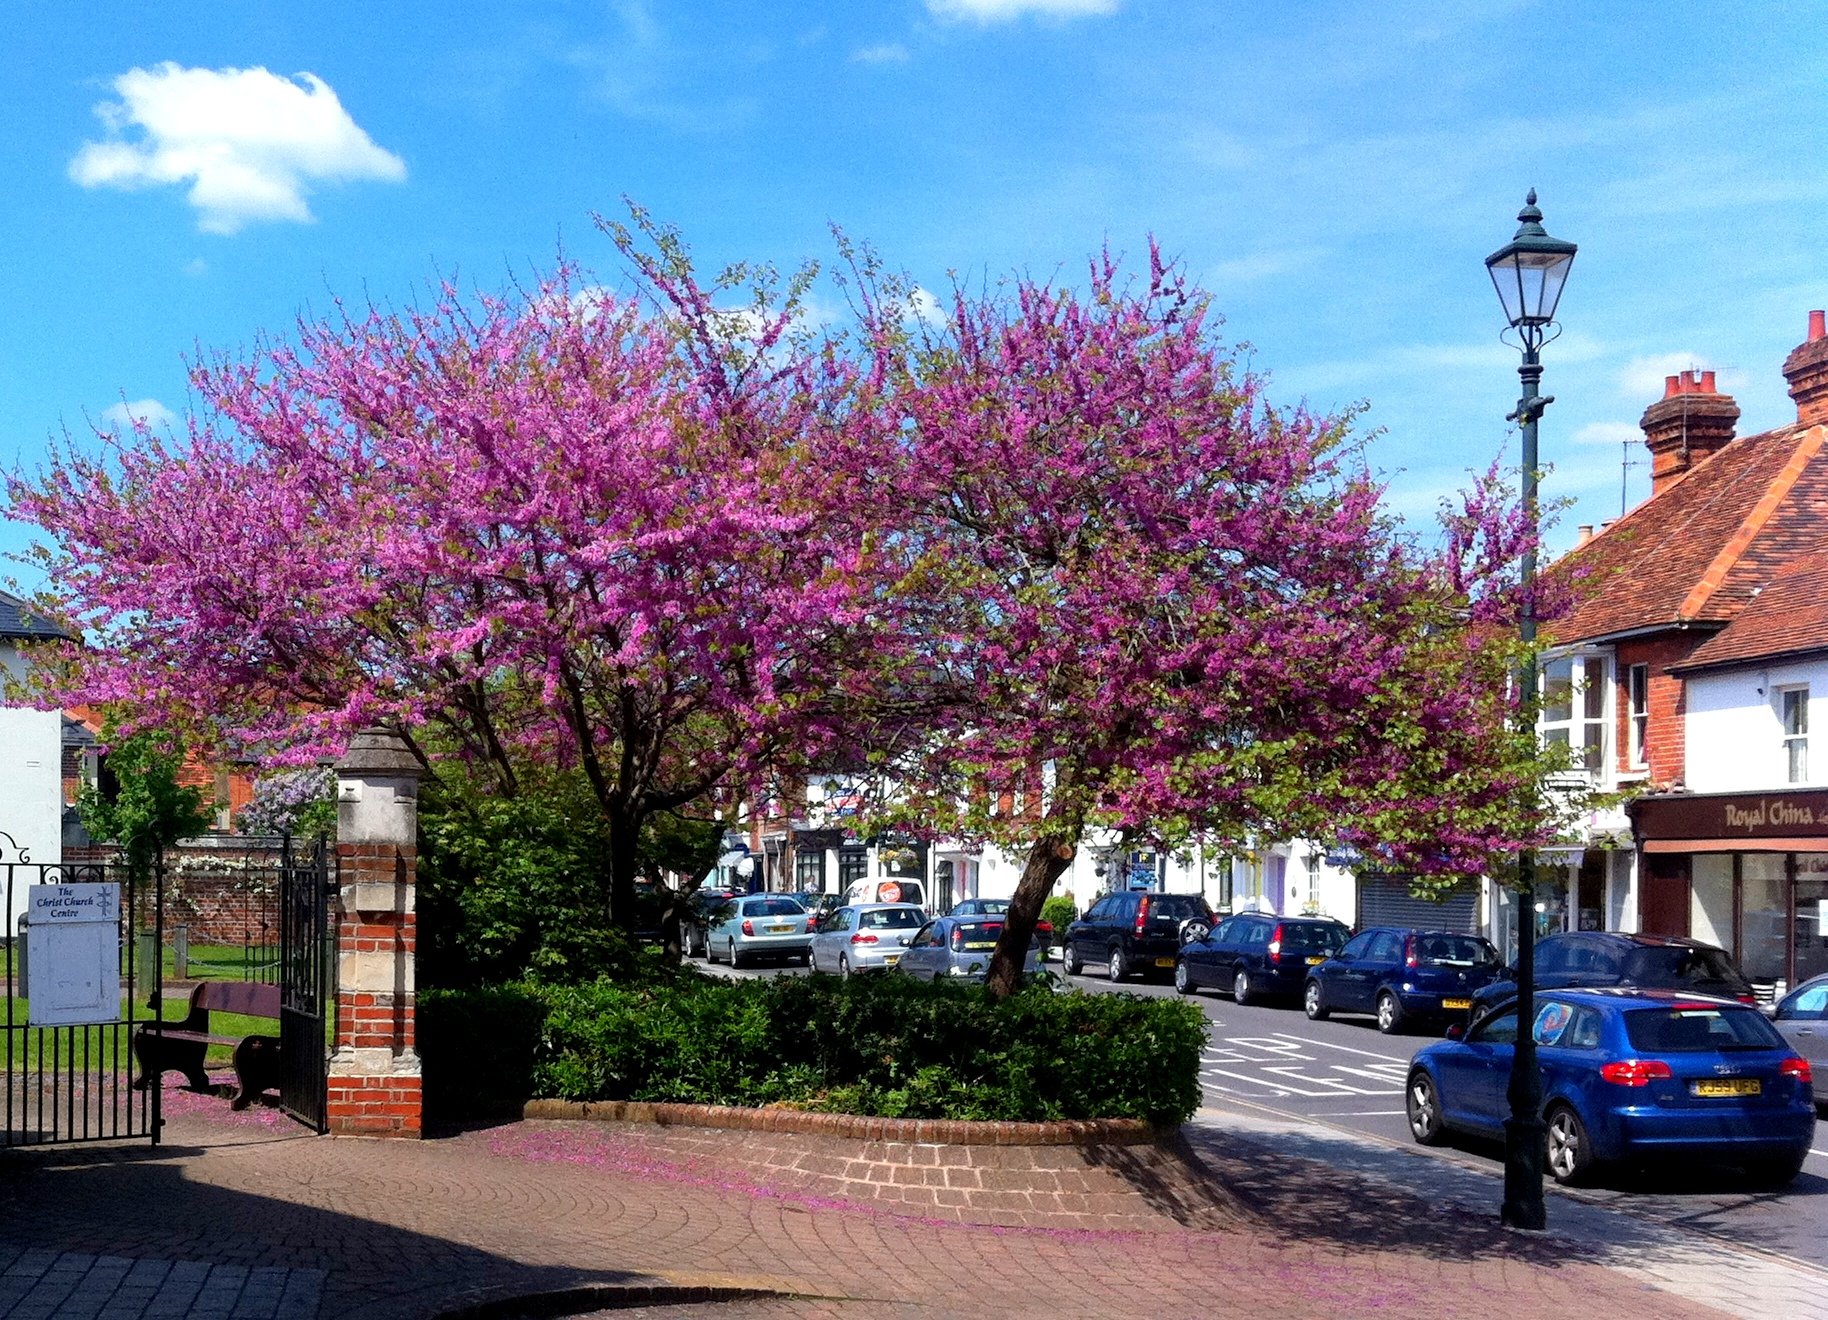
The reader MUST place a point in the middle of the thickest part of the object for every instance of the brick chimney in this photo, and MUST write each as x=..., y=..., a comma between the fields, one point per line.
x=1688, y=423
x=1807, y=371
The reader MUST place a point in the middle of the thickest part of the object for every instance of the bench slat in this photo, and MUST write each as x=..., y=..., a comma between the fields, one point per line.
x=249, y=998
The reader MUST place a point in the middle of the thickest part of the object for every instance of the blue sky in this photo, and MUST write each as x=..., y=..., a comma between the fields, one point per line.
x=183, y=176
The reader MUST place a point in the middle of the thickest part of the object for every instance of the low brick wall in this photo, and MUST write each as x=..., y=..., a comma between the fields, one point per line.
x=1096, y=1174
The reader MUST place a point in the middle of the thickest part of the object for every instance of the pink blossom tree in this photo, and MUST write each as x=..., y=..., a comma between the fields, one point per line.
x=1137, y=597
x=553, y=527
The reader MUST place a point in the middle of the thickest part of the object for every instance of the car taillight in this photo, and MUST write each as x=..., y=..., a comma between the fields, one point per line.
x=1275, y=946
x=748, y=928
x=1142, y=914
x=1044, y=928
x=1635, y=1072
x=1409, y=958
x=863, y=939
x=958, y=937
x=1797, y=1068
x=1748, y=999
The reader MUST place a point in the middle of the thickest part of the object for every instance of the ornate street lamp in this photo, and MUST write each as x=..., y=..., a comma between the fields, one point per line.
x=1528, y=273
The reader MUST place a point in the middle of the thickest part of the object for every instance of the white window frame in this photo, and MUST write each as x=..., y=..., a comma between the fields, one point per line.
x=1637, y=715
x=1795, y=742
x=1588, y=671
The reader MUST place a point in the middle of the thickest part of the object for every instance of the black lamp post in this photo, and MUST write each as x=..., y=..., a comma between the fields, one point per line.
x=1528, y=273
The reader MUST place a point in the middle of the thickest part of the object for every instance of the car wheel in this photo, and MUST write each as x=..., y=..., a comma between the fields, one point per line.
x=1769, y=1175
x=1313, y=1004
x=1193, y=930
x=1240, y=987
x=1183, y=979
x=844, y=967
x=1069, y=960
x=1118, y=968
x=1389, y=1013
x=1569, y=1155
x=710, y=953
x=737, y=959
x=1423, y=1101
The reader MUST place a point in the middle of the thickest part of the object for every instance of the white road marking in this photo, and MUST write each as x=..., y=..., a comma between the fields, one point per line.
x=1370, y=1113
x=1390, y=1058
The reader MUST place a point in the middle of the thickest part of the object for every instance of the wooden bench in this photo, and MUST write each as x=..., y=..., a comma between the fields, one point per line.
x=182, y=1045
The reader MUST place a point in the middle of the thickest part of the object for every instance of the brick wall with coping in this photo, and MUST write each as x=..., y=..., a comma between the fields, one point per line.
x=1098, y=1174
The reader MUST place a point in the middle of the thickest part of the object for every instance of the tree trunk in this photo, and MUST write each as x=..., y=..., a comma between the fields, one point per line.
x=1047, y=862
x=624, y=836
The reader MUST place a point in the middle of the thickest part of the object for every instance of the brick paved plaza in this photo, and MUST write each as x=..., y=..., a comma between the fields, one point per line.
x=248, y=1215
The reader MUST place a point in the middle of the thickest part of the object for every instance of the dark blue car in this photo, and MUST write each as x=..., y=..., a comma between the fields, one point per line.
x=1629, y=1076
x=1401, y=975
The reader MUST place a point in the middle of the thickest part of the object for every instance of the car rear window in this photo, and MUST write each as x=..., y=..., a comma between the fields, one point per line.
x=1697, y=1028
x=773, y=907
x=980, y=934
x=1314, y=938
x=1178, y=906
x=1454, y=951
x=889, y=918
x=1675, y=965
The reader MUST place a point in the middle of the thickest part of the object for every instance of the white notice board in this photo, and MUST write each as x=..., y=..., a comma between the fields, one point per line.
x=73, y=961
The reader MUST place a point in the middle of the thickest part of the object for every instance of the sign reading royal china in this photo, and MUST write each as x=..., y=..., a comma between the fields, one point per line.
x=1732, y=816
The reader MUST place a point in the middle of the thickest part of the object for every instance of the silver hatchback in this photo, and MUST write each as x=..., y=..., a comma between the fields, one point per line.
x=758, y=926
x=960, y=947
x=864, y=936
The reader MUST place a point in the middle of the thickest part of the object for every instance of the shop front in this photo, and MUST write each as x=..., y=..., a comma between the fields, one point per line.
x=1745, y=871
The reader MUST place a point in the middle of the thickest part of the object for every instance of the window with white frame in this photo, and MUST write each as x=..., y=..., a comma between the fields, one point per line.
x=1313, y=900
x=1793, y=710
x=1573, y=711
x=1637, y=713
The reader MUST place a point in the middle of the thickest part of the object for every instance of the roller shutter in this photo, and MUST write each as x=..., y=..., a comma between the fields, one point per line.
x=1386, y=901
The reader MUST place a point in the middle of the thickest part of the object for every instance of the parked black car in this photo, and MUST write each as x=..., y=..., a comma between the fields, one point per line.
x=695, y=921
x=820, y=904
x=1132, y=932
x=1401, y=974
x=1588, y=959
x=1256, y=955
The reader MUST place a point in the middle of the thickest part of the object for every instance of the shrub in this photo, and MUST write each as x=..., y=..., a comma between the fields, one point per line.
x=1059, y=913
x=477, y=1049
x=880, y=1045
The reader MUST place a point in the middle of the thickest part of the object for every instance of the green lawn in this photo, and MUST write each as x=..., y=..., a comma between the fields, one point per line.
x=93, y=1045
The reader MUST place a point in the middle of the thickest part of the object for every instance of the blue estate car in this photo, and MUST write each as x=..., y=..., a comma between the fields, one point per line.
x=1401, y=975
x=1629, y=1075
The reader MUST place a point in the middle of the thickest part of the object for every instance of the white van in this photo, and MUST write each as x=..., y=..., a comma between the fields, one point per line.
x=886, y=891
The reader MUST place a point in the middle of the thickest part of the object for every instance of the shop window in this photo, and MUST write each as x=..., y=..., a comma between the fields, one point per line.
x=853, y=865
x=1793, y=708
x=1573, y=711
x=809, y=871
x=1764, y=916
x=1637, y=707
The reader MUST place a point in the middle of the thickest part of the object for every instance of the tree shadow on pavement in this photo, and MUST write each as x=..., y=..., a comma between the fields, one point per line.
x=1315, y=1187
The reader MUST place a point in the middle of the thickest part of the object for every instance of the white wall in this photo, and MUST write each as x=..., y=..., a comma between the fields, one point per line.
x=31, y=782
x=1734, y=731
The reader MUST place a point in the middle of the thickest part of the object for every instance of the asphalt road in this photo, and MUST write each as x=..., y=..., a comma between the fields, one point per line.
x=1344, y=1073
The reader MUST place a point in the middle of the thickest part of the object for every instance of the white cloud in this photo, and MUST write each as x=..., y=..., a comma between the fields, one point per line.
x=248, y=142
x=1643, y=378
x=124, y=416
x=1001, y=11
x=924, y=307
x=889, y=52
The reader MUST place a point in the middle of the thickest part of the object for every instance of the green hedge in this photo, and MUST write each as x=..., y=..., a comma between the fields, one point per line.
x=881, y=1045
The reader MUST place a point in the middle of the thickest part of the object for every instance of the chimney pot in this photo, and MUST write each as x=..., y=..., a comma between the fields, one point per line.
x=1806, y=373
x=1672, y=386
x=1586, y=535
x=1688, y=423
x=1818, y=326
x=1707, y=383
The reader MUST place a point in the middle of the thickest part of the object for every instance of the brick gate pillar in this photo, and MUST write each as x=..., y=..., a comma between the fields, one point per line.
x=374, y=1068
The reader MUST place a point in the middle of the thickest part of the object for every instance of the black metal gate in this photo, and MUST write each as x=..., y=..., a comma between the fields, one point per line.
x=306, y=981
x=73, y=1083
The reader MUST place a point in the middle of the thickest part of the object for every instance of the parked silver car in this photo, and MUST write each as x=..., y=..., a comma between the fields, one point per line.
x=1802, y=1017
x=959, y=948
x=864, y=936
x=759, y=926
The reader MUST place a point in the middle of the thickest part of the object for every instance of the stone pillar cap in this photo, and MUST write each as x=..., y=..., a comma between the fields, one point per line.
x=380, y=753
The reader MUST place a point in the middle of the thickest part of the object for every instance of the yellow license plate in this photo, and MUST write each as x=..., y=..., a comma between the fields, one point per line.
x=1164, y=962
x=890, y=959
x=1727, y=1086
x=981, y=944
x=780, y=930
x=1456, y=1003
x=1315, y=962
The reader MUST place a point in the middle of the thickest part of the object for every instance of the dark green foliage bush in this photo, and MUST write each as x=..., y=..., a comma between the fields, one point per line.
x=882, y=1045
x=477, y=1049
x=1059, y=913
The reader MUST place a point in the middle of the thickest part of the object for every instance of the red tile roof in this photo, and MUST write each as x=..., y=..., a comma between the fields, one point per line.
x=1788, y=616
x=1699, y=551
